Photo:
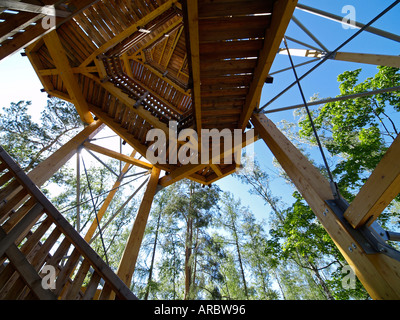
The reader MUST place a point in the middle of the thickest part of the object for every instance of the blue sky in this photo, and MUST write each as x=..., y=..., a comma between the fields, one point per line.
x=18, y=80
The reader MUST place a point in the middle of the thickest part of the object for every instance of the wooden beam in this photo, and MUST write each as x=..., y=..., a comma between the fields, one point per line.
x=282, y=13
x=380, y=189
x=377, y=272
x=61, y=62
x=54, y=72
x=193, y=31
x=117, y=155
x=125, y=134
x=374, y=59
x=132, y=248
x=129, y=31
x=217, y=169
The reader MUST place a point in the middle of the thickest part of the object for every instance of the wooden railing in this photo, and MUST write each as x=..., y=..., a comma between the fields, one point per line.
x=35, y=237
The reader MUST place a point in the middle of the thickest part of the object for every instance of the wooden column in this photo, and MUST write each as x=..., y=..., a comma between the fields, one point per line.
x=379, y=273
x=131, y=252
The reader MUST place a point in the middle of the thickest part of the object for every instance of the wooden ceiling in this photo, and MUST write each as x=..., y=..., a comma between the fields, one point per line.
x=138, y=64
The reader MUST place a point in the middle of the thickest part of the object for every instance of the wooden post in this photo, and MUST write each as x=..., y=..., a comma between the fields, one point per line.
x=131, y=252
x=378, y=272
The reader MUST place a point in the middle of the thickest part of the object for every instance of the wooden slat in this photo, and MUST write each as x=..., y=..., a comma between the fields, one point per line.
x=129, y=31
x=209, y=9
x=232, y=28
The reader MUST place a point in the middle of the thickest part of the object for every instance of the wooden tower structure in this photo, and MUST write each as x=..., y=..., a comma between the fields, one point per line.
x=135, y=66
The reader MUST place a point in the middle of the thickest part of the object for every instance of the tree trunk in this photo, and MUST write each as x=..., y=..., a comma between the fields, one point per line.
x=153, y=258
x=321, y=281
x=188, y=256
x=240, y=259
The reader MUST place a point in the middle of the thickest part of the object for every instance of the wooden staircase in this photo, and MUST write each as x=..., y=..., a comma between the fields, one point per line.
x=34, y=235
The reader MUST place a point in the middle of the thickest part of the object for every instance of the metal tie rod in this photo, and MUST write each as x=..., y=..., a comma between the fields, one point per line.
x=331, y=54
x=341, y=98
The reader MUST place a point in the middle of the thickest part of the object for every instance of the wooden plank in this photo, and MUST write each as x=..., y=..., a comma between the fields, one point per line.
x=233, y=8
x=128, y=261
x=62, y=63
x=282, y=13
x=233, y=28
x=377, y=272
x=230, y=49
x=129, y=31
x=380, y=189
x=33, y=33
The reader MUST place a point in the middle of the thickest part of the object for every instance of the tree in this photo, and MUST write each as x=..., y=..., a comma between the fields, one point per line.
x=357, y=132
x=229, y=219
x=188, y=209
x=29, y=142
x=257, y=256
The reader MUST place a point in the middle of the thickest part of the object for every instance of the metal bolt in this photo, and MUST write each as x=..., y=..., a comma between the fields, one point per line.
x=354, y=246
x=350, y=249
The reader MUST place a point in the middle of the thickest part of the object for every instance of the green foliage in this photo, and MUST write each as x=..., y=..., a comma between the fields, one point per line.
x=29, y=142
x=357, y=131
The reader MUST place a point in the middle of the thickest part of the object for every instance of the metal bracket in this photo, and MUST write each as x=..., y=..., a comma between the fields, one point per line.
x=372, y=238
